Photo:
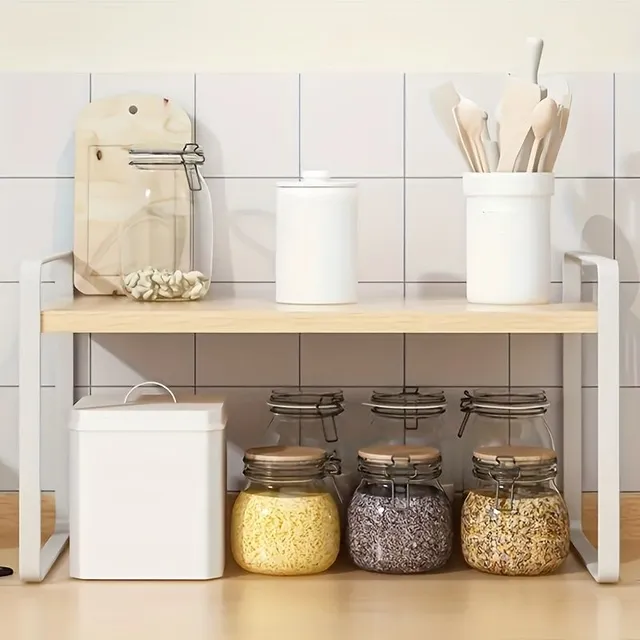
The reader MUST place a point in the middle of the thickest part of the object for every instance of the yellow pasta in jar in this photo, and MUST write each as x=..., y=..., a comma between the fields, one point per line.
x=285, y=534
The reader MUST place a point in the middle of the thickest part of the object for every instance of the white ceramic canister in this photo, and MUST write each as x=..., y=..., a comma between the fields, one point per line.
x=317, y=240
x=508, y=237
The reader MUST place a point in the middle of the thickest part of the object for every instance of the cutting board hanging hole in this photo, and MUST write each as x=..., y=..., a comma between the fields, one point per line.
x=133, y=109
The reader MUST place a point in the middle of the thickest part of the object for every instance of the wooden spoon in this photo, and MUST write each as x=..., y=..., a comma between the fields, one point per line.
x=543, y=118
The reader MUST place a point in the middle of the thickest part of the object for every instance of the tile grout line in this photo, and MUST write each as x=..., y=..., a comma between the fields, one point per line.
x=404, y=219
x=90, y=335
x=614, y=168
x=299, y=177
x=299, y=125
x=193, y=240
x=345, y=386
x=509, y=361
x=341, y=177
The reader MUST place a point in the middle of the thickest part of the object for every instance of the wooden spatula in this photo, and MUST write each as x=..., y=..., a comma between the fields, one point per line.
x=518, y=102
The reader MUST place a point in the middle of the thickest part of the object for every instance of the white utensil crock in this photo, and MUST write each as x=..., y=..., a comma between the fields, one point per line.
x=316, y=240
x=508, y=237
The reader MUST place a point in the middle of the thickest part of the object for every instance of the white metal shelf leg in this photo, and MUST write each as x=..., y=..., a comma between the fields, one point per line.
x=604, y=562
x=34, y=562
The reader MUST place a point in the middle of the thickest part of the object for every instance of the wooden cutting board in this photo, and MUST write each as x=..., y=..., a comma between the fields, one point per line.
x=108, y=190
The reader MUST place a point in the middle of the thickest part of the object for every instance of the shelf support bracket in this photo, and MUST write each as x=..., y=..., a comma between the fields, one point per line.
x=602, y=563
x=35, y=562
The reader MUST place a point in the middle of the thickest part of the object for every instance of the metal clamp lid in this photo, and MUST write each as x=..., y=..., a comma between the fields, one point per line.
x=503, y=405
x=400, y=465
x=305, y=405
x=190, y=158
x=289, y=464
x=507, y=466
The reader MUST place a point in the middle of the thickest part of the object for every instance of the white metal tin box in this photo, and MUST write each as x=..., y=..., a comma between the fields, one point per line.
x=147, y=488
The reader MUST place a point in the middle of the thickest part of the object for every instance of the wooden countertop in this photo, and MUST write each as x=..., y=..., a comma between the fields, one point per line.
x=106, y=314
x=342, y=604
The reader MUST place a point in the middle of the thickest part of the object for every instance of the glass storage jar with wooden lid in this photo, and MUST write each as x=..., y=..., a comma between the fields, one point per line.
x=285, y=522
x=311, y=418
x=515, y=522
x=495, y=417
x=399, y=519
x=166, y=244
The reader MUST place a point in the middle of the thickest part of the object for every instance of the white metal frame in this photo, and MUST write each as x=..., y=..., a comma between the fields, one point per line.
x=603, y=563
x=35, y=562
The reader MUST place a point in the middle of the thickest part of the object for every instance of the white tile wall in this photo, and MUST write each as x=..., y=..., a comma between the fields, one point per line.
x=248, y=124
x=379, y=128
x=352, y=123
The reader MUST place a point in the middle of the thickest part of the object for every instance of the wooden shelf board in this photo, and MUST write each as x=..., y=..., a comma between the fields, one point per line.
x=101, y=314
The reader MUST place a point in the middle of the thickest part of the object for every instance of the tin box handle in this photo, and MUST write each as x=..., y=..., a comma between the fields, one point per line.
x=149, y=383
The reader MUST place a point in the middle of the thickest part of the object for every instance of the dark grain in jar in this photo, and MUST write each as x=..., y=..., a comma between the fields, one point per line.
x=386, y=536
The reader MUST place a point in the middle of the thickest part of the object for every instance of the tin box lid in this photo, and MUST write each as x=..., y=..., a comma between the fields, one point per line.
x=317, y=179
x=149, y=412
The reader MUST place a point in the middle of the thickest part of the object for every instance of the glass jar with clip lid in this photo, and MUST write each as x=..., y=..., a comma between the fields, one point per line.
x=495, y=417
x=399, y=519
x=166, y=244
x=285, y=522
x=311, y=418
x=514, y=521
x=409, y=416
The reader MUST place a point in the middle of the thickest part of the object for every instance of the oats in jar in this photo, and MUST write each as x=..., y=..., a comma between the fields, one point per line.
x=527, y=536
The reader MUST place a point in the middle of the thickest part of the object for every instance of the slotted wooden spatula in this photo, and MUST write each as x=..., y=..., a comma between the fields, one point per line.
x=518, y=102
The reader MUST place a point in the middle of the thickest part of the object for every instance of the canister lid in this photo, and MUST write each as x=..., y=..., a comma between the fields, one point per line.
x=520, y=456
x=317, y=179
x=395, y=453
x=285, y=454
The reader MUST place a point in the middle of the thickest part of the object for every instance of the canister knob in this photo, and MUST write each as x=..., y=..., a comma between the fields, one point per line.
x=316, y=176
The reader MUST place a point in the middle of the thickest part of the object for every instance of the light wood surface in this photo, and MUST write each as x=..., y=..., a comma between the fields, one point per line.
x=285, y=454
x=88, y=314
x=517, y=454
x=398, y=452
x=108, y=190
x=342, y=604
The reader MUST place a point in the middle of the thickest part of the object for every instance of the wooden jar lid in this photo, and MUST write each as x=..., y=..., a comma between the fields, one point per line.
x=394, y=453
x=285, y=454
x=519, y=455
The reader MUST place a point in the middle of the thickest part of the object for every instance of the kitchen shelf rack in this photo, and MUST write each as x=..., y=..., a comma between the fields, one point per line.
x=70, y=315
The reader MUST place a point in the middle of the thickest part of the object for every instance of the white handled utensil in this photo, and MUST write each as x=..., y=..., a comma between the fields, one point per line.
x=529, y=71
x=543, y=118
